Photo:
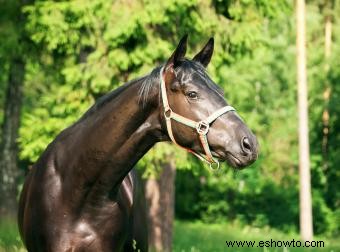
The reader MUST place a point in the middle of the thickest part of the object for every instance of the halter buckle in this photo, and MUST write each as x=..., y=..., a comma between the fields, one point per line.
x=202, y=128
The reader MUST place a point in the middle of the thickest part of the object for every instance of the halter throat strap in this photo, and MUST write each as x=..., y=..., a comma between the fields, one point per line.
x=202, y=127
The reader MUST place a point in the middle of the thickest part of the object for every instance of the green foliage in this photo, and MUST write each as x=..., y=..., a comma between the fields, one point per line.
x=83, y=49
x=230, y=196
x=325, y=221
x=10, y=30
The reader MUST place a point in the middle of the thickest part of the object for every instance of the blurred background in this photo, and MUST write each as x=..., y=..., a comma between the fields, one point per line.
x=58, y=57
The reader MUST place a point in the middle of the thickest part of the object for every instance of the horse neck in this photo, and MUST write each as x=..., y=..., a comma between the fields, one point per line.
x=111, y=139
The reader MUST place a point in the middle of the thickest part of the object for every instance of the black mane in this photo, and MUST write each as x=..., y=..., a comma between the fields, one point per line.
x=186, y=67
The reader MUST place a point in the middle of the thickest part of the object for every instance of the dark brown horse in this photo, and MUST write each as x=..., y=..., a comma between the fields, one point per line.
x=82, y=194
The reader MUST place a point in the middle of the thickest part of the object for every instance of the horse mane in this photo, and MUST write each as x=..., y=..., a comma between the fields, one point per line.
x=147, y=84
x=148, y=81
x=101, y=101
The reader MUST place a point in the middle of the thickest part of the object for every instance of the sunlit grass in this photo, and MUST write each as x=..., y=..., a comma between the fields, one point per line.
x=201, y=237
x=9, y=237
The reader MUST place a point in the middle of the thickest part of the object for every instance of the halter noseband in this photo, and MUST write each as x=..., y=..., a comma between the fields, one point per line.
x=202, y=127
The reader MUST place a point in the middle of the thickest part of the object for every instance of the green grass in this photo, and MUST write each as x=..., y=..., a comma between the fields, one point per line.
x=197, y=237
x=9, y=237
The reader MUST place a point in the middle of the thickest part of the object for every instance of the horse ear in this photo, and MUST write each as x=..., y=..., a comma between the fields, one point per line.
x=179, y=53
x=204, y=56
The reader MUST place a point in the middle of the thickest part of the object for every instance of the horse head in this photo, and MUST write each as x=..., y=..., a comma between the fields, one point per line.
x=196, y=115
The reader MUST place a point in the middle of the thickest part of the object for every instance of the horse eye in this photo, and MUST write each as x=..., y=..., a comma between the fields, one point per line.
x=192, y=95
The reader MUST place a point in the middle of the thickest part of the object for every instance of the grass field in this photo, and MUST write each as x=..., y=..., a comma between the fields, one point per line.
x=194, y=237
x=9, y=237
x=199, y=237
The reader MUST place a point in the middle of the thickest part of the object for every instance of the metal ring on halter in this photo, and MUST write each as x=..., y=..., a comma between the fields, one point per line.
x=167, y=113
x=214, y=168
x=202, y=128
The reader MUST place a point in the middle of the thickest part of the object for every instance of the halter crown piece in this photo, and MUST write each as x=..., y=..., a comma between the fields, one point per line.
x=202, y=127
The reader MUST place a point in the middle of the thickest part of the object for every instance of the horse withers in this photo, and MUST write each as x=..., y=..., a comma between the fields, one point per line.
x=83, y=195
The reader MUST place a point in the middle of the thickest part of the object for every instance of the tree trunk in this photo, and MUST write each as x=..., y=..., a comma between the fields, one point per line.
x=160, y=195
x=9, y=148
x=306, y=222
x=327, y=91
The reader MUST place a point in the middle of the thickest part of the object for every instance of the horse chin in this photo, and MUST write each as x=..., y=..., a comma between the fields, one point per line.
x=235, y=162
x=239, y=163
x=231, y=160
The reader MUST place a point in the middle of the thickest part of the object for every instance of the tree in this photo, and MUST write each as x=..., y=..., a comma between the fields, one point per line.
x=8, y=149
x=160, y=196
x=13, y=49
x=328, y=6
x=306, y=219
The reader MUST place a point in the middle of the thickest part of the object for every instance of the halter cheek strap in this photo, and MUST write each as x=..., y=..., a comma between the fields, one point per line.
x=202, y=127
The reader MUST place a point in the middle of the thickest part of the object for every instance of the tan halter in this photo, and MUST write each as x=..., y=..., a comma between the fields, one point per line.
x=202, y=127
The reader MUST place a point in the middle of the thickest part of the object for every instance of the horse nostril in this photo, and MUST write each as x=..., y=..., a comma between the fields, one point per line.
x=245, y=144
